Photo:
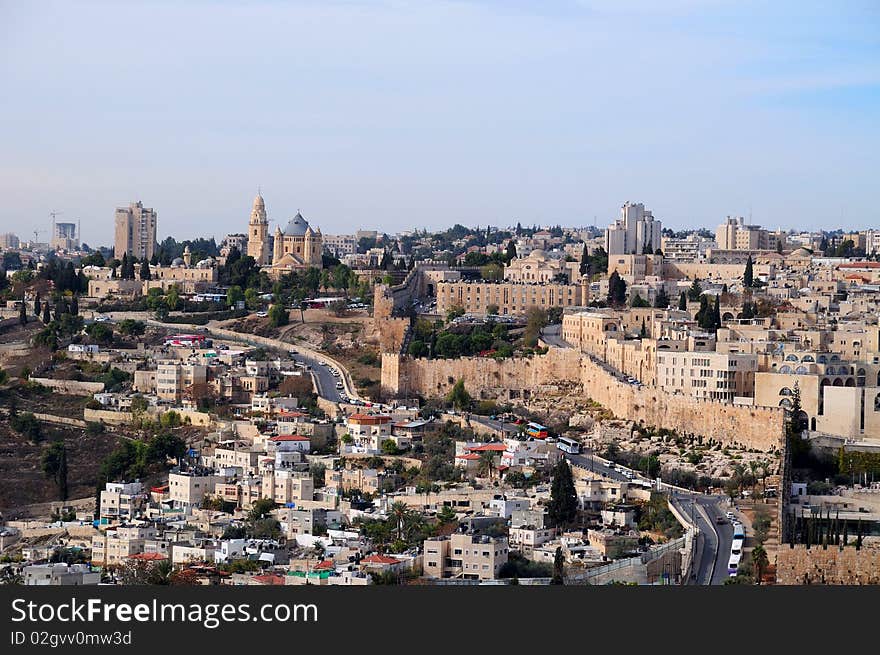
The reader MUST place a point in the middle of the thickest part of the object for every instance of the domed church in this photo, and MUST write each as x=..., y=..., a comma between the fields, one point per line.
x=297, y=247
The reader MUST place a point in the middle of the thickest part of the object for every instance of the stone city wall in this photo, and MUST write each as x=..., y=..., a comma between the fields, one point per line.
x=72, y=387
x=834, y=566
x=520, y=378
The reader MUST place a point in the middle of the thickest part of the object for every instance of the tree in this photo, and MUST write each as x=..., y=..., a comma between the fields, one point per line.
x=37, y=306
x=562, y=508
x=278, y=315
x=74, y=305
x=661, y=300
x=145, y=271
x=234, y=295
x=616, y=290
x=760, y=561
x=638, y=301
x=47, y=316
x=22, y=313
x=446, y=515
x=643, y=333
x=458, y=397
x=585, y=261
x=511, y=251
x=54, y=466
x=172, y=297
x=749, y=274
x=558, y=567
x=400, y=514
x=492, y=309
x=695, y=291
x=682, y=301
x=487, y=463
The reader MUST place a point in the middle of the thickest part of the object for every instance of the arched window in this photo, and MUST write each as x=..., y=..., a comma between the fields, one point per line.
x=808, y=358
x=835, y=358
x=785, y=369
x=860, y=377
x=837, y=382
x=785, y=402
x=791, y=358
x=849, y=382
x=822, y=359
x=801, y=370
x=877, y=403
x=785, y=391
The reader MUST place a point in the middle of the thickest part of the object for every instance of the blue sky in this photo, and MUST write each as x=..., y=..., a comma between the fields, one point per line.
x=395, y=115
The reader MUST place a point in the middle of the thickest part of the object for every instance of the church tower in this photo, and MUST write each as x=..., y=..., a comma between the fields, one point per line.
x=258, y=233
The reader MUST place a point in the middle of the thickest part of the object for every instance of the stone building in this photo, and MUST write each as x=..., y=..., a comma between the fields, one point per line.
x=297, y=247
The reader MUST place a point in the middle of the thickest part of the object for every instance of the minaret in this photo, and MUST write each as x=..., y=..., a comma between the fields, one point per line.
x=258, y=233
x=187, y=257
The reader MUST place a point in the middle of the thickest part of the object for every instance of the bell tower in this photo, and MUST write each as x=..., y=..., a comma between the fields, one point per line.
x=258, y=233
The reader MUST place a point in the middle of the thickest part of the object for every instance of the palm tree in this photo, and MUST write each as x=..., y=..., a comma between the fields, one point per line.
x=738, y=473
x=760, y=561
x=400, y=513
x=487, y=463
x=754, y=467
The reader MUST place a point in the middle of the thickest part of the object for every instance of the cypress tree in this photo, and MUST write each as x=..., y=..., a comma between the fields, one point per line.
x=682, y=301
x=22, y=312
x=123, y=273
x=145, y=271
x=47, y=317
x=74, y=305
x=749, y=275
x=563, y=498
x=716, y=316
x=37, y=305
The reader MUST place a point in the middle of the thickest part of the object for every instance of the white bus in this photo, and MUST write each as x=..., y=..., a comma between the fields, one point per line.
x=733, y=564
x=569, y=446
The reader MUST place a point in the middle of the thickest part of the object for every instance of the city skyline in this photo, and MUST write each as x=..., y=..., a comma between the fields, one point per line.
x=538, y=115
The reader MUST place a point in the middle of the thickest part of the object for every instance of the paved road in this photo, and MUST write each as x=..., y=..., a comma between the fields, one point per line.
x=591, y=462
x=552, y=336
x=325, y=383
x=715, y=538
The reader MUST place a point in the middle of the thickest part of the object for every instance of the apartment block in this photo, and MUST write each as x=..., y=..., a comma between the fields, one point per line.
x=474, y=557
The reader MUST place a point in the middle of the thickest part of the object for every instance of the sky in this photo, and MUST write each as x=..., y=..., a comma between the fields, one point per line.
x=397, y=115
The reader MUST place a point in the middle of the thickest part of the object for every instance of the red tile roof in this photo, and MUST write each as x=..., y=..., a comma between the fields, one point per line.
x=494, y=447
x=380, y=559
x=289, y=437
x=148, y=557
x=370, y=418
x=861, y=265
x=268, y=579
x=326, y=564
x=468, y=456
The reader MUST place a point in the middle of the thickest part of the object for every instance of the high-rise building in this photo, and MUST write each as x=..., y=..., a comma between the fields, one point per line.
x=65, y=236
x=9, y=241
x=736, y=234
x=258, y=233
x=135, y=231
x=634, y=233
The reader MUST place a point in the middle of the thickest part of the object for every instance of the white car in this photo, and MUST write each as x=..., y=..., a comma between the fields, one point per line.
x=730, y=515
x=262, y=314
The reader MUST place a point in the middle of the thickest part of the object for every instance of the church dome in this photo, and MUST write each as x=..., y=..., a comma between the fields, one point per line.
x=258, y=202
x=297, y=226
x=538, y=254
x=177, y=262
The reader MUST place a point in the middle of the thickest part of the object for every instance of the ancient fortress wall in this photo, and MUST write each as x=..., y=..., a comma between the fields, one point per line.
x=834, y=566
x=519, y=378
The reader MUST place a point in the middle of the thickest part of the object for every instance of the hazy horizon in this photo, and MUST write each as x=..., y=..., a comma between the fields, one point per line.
x=395, y=115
